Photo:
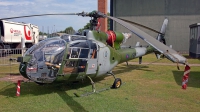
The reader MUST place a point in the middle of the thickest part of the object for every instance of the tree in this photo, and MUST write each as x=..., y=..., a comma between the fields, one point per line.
x=80, y=30
x=87, y=26
x=42, y=33
x=69, y=30
x=108, y=21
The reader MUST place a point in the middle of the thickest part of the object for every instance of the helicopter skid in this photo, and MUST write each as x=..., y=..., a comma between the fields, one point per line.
x=90, y=93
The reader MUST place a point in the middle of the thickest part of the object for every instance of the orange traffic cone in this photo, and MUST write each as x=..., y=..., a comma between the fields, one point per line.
x=18, y=88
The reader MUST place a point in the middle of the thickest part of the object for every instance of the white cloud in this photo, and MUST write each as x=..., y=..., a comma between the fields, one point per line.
x=13, y=3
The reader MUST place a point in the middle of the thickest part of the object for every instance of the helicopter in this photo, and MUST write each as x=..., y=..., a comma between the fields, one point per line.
x=92, y=56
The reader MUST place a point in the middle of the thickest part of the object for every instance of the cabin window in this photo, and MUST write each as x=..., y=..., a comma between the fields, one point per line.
x=65, y=37
x=84, y=53
x=79, y=52
x=58, y=58
x=82, y=50
x=93, y=53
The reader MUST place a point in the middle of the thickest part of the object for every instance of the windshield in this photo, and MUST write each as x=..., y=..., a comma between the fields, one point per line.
x=65, y=37
x=47, y=50
x=44, y=55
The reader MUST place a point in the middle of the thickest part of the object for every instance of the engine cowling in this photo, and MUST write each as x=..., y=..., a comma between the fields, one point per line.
x=115, y=39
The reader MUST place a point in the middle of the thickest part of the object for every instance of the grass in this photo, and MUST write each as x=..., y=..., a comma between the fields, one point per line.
x=7, y=66
x=152, y=58
x=145, y=88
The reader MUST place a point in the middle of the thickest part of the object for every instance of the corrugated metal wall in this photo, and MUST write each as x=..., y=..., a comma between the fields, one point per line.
x=181, y=14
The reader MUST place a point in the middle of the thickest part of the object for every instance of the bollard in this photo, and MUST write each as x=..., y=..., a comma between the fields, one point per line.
x=18, y=88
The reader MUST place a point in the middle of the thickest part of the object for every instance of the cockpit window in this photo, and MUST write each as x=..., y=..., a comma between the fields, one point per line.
x=75, y=52
x=69, y=38
x=83, y=49
x=77, y=37
x=84, y=53
x=48, y=50
x=79, y=52
x=65, y=37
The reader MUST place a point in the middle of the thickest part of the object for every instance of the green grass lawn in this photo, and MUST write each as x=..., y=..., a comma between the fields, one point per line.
x=152, y=58
x=7, y=66
x=145, y=88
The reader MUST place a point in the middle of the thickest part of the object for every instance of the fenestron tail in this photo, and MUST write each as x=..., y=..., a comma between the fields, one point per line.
x=161, y=37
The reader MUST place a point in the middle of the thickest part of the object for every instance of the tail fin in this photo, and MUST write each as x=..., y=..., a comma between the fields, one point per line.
x=161, y=36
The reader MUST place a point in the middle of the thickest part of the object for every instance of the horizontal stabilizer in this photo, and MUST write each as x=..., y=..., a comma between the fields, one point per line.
x=167, y=51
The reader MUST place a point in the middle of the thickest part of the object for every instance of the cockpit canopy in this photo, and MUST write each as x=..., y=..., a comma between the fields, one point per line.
x=48, y=50
x=69, y=38
x=45, y=58
x=52, y=50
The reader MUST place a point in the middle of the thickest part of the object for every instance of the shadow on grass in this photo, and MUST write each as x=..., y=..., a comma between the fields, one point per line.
x=28, y=88
x=193, y=81
x=75, y=106
x=124, y=68
x=59, y=87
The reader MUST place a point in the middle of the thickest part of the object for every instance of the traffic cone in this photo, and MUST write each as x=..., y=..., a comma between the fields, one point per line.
x=18, y=88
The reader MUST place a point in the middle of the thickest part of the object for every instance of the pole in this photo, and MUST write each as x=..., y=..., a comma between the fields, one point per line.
x=0, y=32
x=42, y=31
x=18, y=88
x=48, y=31
x=22, y=45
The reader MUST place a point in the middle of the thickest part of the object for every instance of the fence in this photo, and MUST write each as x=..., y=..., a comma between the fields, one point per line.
x=8, y=60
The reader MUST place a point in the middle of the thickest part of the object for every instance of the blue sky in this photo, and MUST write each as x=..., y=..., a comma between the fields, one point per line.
x=11, y=8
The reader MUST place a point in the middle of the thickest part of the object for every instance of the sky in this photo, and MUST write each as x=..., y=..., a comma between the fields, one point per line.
x=12, y=8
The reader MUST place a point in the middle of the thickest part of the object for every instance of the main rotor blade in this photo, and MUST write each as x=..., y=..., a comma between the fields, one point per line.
x=141, y=26
x=167, y=51
x=39, y=15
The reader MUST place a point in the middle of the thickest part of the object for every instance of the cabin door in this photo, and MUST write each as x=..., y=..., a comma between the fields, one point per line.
x=92, y=62
x=91, y=66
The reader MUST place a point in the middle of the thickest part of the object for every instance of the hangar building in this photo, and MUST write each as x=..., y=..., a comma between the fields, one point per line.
x=180, y=13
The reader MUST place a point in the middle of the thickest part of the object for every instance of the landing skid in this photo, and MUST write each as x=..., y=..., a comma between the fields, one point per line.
x=90, y=93
x=117, y=83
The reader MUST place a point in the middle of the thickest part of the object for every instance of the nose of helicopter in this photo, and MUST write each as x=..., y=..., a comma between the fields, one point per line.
x=35, y=67
x=40, y=72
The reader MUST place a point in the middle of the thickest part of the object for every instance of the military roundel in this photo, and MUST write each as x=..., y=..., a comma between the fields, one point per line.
x=127, y=55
